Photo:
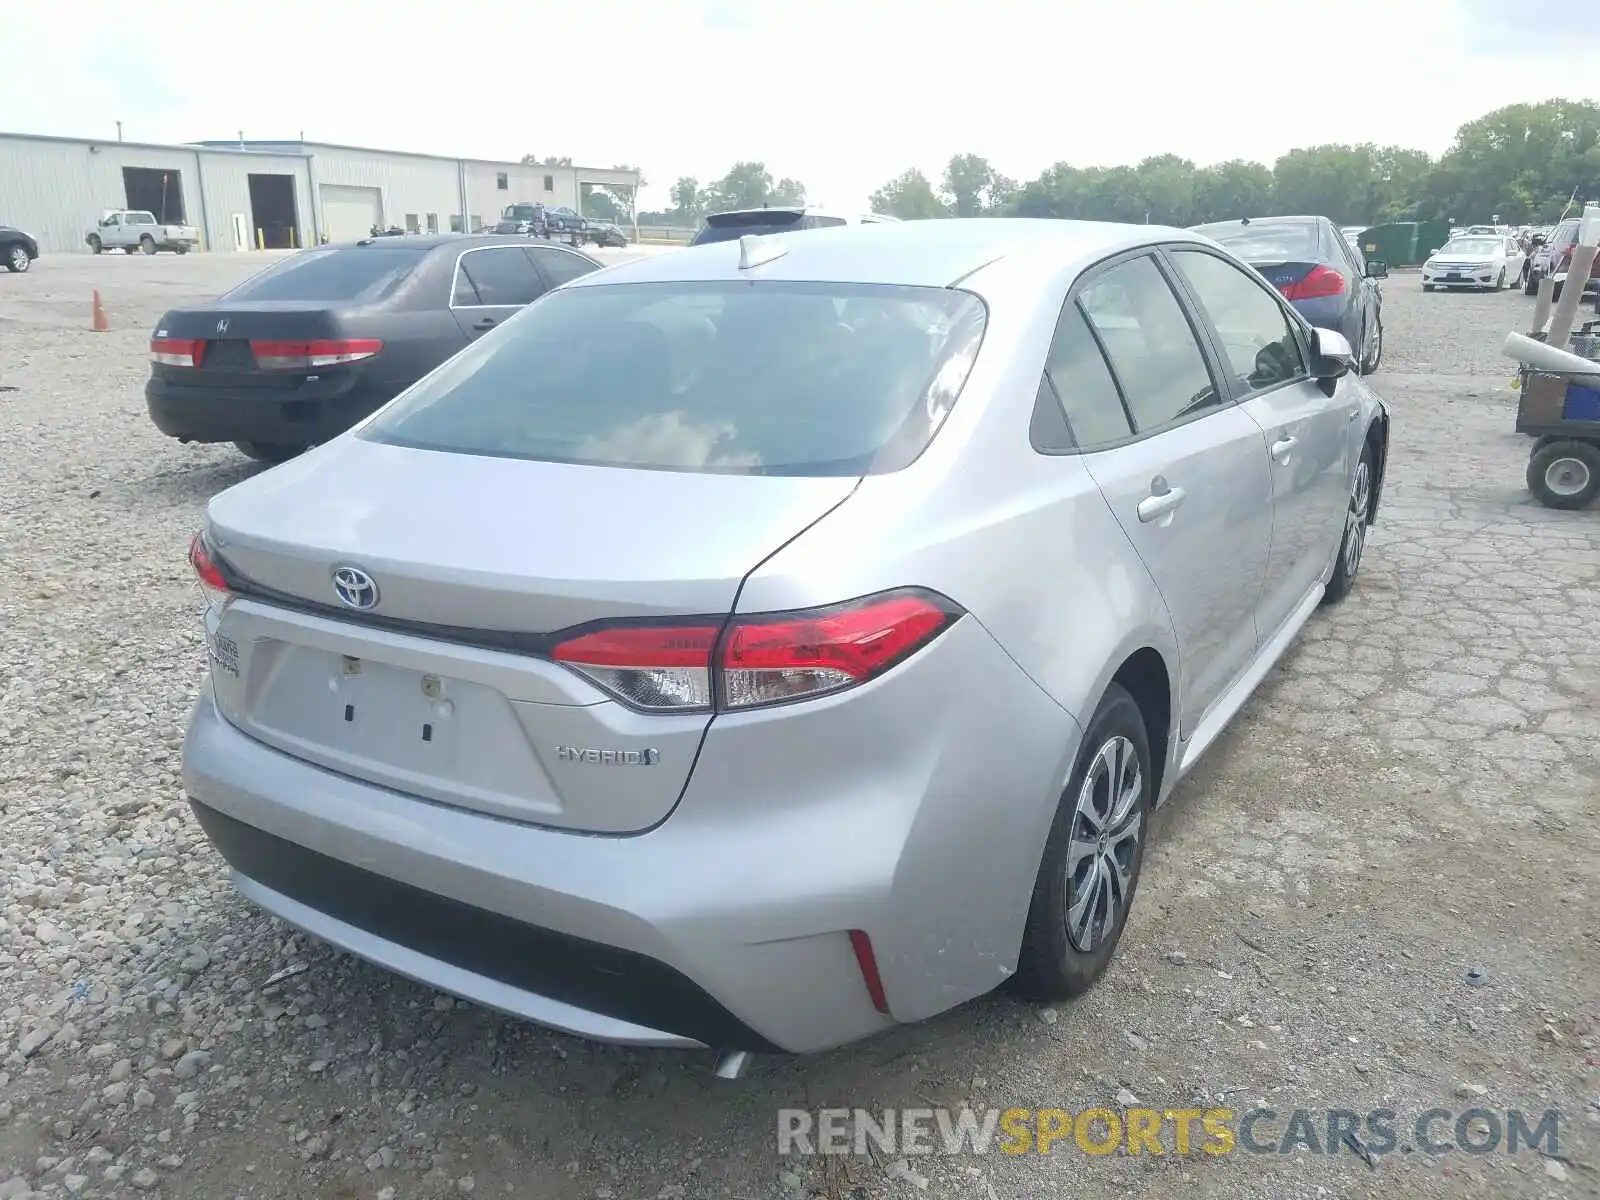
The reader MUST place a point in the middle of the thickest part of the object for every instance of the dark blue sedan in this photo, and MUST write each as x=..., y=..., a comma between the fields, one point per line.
x=1318, y=271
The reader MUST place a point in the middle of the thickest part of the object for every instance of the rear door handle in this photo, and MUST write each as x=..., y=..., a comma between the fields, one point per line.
x=1283, y=447
x=485, y=323
x=1159, y=504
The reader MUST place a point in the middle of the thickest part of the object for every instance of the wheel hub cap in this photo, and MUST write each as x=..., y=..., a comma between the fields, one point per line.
x=1567, y=476
x=1107, y=822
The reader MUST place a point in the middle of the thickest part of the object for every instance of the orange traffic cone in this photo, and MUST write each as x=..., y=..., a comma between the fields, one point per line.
x=101, y=325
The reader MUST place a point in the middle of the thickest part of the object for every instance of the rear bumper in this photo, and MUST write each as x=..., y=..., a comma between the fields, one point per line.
x=303, y=416
x=726, y=925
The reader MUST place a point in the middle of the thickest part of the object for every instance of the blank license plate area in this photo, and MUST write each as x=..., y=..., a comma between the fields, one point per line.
x=394, y=725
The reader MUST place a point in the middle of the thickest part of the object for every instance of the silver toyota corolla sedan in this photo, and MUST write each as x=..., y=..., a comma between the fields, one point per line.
x=760, y=645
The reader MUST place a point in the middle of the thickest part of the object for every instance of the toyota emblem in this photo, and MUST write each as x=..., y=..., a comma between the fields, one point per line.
x=355, y=587
x=222, y=325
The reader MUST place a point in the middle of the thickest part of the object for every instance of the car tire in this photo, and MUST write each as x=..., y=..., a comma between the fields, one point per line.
x=1530, y=285
x=180, y=249
x=1358, y=518
x=1565, y=474
x=147, y=244
x=1500, y=283
x=17, y=259
x=270, y=452
x=1371, y=365
x=1427, y=287
x=1109, y=793
x=95, y=244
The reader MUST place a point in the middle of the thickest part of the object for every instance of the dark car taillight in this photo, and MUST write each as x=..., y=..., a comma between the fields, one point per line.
x=308, y=355
x=757, y=660
x=177, y=352
x=1318, y=284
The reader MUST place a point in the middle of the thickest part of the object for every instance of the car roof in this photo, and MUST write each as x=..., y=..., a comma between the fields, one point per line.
x=933, y=253
x=1285, y=220
x=426, y=241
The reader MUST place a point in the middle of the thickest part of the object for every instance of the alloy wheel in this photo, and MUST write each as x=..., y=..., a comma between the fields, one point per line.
x=1355, y=529
x=1107, y=822
x=19, y=259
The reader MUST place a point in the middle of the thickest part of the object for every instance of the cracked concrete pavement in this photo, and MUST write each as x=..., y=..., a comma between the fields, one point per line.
x=1409, y=797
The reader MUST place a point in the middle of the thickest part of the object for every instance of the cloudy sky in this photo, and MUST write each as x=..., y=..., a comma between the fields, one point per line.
x=841, y=95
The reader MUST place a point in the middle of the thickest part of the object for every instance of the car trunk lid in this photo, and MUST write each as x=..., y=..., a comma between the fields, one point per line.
x=445, y=687
x=265, y=344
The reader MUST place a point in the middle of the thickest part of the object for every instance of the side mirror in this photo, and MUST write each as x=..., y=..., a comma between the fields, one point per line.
x=1331, y=356
x=1377, y=269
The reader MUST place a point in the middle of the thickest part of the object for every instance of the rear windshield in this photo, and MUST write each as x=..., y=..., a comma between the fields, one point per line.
x=336, y=273
x=746, y=378
x=1263, y=243
x=726, y=227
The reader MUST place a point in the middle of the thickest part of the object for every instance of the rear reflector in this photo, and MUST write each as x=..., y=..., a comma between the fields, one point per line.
x=757, y=660
x=177, y=352
x=868, y=962
x=305, y=356
x=1321, y=282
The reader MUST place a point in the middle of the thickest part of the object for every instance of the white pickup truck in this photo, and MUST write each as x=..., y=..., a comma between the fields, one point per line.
x=130, y=230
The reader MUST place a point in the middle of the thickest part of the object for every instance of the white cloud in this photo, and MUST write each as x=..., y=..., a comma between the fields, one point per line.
x=841, y=95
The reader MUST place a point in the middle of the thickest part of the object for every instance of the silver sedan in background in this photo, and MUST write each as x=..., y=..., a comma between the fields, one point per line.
x=761, y=645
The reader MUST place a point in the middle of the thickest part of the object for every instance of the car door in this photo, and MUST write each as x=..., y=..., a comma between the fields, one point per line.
x=1266, y=355
x=112, y=233
x=558, y=265
x=1187, y=480
x=491, y=284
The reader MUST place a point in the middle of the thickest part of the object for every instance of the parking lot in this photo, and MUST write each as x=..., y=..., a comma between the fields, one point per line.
x=1381, y=889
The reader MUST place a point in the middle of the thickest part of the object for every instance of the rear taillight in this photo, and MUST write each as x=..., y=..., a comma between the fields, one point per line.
x=306, y=356
x=757, y=660
x=177, y=352
x=213, y=583
x=1318, y=284
x=1563, y=258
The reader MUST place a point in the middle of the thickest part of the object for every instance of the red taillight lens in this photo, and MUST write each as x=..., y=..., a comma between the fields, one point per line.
x=658, y=667
x=767, y=660
x=758, y=660
x=177, y=352
x=306, y=356
x=213, y=583
x=867, y=961
x=1320, y=283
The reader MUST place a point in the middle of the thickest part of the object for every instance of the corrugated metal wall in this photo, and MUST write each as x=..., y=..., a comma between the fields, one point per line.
x=409, y=186
x=226, y=176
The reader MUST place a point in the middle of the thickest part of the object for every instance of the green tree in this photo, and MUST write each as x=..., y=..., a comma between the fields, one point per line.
x=1334, y=181
x=750, y=185
x=687, y=202
x=787, y=191
x=533, y=160
x=968, y=185
x=908, y=196
x=1235, y=188
x=1166, y=184
x=1523, y=161
x=1399, y=184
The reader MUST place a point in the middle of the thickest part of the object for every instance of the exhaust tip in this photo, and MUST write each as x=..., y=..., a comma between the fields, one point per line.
x=732, y=1064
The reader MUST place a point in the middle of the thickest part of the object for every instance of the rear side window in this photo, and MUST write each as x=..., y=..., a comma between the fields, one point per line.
x=559, y=266
x=503, y=276
x=758, y=378
x=1082, y=382
x=728, y=227
x=343, y=273
x=1151, y=344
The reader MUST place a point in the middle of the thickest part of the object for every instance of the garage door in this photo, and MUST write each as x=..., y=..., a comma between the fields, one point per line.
x=350, y=212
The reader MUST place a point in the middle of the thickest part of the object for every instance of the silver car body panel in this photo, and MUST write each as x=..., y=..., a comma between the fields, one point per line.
x=759, y=839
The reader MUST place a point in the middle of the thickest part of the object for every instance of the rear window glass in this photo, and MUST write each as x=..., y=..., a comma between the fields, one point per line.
x=726, y=227
x=1260, y=243
x=749, y=378
x=338, y=273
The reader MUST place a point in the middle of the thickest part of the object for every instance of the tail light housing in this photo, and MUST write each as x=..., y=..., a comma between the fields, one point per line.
x=311, y=355
x=1319, y=283
x=757, y=660
x=177, y=352
x=213, y=583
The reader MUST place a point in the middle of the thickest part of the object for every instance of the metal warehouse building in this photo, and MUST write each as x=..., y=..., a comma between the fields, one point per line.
x=245, y=195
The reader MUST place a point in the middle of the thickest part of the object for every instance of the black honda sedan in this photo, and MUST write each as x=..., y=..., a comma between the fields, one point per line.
x=300, y=352
x=17, y=249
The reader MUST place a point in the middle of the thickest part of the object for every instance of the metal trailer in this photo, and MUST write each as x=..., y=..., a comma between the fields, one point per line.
x=1563, y=418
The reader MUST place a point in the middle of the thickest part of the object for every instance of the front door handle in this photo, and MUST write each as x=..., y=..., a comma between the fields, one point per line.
x=1283, y=447
x=1159, y=504
x=485, y=323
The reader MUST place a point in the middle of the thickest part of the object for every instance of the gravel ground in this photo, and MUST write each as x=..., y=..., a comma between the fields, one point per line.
x=1410, y=796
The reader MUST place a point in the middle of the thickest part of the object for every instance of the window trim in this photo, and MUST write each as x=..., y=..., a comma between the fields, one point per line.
x=455, y=275
x=1297, y=323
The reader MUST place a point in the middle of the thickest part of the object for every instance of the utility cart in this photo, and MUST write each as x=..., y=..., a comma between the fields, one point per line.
x=1564, y=419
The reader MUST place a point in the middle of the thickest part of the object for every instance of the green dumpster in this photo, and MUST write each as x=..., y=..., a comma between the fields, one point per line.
x=1395, y=243
x=1430, y=236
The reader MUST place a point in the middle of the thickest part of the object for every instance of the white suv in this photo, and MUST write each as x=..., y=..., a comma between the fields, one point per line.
x=782, y=218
